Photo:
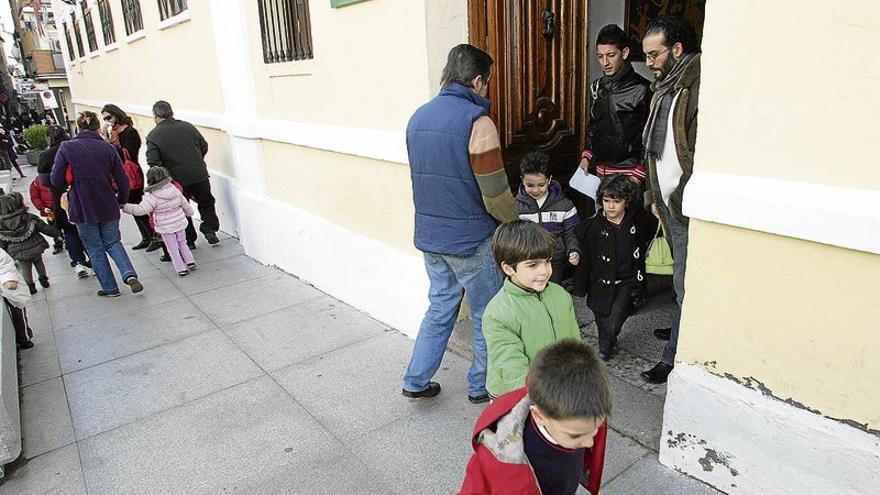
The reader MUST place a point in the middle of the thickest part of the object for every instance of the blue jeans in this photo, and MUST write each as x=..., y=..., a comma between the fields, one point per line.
x=100, y=240
x=450, y=276
x=678, y=240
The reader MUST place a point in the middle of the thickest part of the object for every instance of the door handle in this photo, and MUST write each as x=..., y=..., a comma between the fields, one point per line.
x=549, y=20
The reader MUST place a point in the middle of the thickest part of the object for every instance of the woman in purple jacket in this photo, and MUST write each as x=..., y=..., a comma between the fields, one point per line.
x=94, y=202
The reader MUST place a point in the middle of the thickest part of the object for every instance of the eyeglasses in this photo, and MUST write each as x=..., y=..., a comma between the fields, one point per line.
x=653, y=56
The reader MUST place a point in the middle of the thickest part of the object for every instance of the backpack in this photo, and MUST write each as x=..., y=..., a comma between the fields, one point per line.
x=133, y=171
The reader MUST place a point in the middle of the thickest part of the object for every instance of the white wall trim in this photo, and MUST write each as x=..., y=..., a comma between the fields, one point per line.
x=840, y=216
x=377, y=144
x=180, y=18
x=110, y=47
x=744, y=442
x=137, y=35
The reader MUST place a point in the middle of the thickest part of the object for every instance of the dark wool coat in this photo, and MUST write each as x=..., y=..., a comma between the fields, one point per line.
x=93, y=161
x=20, y=235
x=595, y=274
x=179, y=147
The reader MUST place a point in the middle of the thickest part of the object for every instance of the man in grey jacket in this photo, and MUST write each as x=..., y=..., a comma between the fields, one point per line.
x=178, y=146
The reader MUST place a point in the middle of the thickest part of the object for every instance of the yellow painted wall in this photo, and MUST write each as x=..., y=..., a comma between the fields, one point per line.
x=177, y=64
x=798, y=101
x=800, y=317
x=370, y=67
x=219, y=157
x=371, y=197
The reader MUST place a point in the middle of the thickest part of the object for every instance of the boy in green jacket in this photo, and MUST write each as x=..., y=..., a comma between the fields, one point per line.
x=529, y=312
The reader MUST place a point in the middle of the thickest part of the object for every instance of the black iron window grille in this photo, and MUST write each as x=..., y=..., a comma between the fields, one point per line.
x=170, y=8
x=69, y=42
x=286, y=30
x=106, y=22
x=131, y=15
x=90, y=27
x=80, y=52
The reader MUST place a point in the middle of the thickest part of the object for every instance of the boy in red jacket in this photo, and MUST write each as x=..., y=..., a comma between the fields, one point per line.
x=41, y=198
x=548, y=437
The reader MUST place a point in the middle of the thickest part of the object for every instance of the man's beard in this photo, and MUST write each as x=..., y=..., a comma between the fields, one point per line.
x=668, y=64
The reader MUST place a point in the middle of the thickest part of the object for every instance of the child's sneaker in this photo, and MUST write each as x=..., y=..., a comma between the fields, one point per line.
x=183, y=273
x=44, y=281
x=191, y=266
x=33, y=288
x=81, y=271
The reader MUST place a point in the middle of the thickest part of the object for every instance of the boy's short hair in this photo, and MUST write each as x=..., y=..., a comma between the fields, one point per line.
x=521, y=240
x=618, y=186
x=536, y=162
x=567, y=381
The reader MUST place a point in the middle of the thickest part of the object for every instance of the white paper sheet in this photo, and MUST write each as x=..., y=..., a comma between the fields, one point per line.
x=585, y=183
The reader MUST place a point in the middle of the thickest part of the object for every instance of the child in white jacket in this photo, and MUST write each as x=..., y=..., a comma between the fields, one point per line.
x=170, y=211
x=11, y=280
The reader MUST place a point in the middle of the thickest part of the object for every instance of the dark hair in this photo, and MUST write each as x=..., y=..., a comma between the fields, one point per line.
x=117, y=113
x=156, y=175
x=618, y=186
x=88, y=121
x=56, y=135
x=611, y=34
x=675, y=29
x=536, y=162
x=9, y=204
x=566, y=381
x=464, y=63
x=521, y=240
x=162, y=109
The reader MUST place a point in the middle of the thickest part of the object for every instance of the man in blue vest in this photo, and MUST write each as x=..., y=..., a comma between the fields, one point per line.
x=460, y=193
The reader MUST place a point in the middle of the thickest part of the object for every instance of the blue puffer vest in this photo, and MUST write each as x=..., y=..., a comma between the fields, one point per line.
x=450, y=215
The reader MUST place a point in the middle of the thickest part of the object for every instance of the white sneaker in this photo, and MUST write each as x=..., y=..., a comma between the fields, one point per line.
x=81, y=271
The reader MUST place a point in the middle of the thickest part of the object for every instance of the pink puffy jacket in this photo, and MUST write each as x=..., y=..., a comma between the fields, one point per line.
x=168, y=206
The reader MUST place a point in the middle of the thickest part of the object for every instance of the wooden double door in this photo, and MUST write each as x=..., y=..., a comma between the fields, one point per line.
x=540, y=80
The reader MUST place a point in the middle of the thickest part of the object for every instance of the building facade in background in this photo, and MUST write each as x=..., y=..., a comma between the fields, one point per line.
x=304, y=104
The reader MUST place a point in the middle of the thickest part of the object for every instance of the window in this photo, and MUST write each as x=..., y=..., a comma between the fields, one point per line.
x=70, y=53
x=131, y=13
x=76, y=33
x=90, y=27
x=286, y=30
x=106, y=22
x=170, y=8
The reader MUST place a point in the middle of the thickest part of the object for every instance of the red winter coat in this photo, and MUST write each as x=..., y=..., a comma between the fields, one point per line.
x=503, y=422
x=41, y=196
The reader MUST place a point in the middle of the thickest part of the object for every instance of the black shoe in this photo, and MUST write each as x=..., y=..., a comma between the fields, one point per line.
x=432, y=391
x=183, y=273
x=144, y=244
x=165, y=258
x=211, y=237
x=135, y=284
x=25, y=345
x=191, y=245
x=191, y=266
x=58, y=249
x=479, y=399
x=604, y=355
x=662, y=333
x=154, y=245
x=658, y=374
x=103, y=293
x=32, y=288
x=44, y=281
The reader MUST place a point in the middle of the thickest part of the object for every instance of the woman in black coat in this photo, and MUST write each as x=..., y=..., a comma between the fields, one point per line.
x=119, y=132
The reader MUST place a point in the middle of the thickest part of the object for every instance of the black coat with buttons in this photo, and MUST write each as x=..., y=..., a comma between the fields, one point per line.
x=596, y=272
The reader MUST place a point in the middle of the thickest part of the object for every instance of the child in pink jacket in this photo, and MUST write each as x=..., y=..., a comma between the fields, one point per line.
x=170, y=210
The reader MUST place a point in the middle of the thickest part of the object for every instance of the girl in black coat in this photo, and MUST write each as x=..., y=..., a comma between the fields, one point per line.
x=21, y=235
x=614, y=244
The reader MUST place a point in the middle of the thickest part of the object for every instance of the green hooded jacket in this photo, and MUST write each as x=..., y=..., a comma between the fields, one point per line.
x=517, y=323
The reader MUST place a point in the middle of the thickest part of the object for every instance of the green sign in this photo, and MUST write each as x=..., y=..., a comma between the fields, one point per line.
x=342, y=3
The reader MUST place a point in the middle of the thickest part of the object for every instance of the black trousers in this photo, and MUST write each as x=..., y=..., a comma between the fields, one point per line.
x=610, y=325
x=135, y=196
x=200, y=192
x=23, y=332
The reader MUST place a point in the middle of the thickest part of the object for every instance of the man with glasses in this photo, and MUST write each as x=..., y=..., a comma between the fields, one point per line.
x=672, y=54
x=619, y=102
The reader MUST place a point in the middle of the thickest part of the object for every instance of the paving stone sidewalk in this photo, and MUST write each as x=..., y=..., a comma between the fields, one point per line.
x=240, y=378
